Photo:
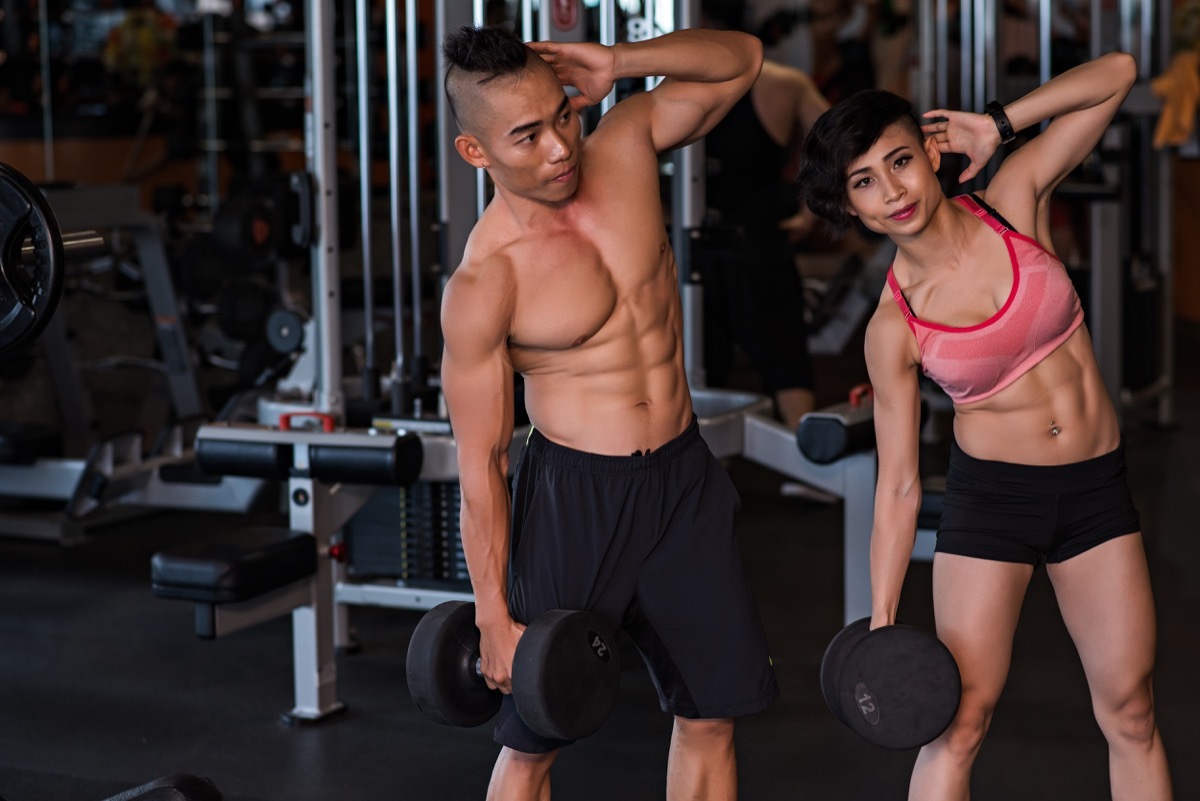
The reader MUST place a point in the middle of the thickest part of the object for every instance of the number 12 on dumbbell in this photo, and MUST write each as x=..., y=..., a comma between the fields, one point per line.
x=566, y=671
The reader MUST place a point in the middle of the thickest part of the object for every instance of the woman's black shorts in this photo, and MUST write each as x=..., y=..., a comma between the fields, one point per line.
x=1029, y=513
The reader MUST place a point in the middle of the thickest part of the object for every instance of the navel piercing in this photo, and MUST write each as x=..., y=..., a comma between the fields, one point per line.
x=1055, y=430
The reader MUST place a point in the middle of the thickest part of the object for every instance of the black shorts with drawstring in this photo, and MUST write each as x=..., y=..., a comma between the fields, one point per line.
x=647, y=543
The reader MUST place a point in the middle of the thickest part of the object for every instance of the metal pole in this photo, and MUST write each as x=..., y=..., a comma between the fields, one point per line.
x=927, y=66
x=322, y=164
x=370, y=377
x=1146, y=45
x=943, y=55
x=1043, y=45
x=456, y=178
x=979, y=57
x=608, y=37
x=47, y=84
x=544, y=18
x=965, y=53
x=212, y=164
x=419, y=363
x=989, y=47
x=687, y=215
x=480, y=13
x=526, y=20
x=400, y=395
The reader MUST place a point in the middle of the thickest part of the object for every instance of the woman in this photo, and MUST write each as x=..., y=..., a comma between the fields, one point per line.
x=978, y=302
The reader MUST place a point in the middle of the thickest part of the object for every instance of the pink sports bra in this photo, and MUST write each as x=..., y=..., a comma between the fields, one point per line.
x=1041, y=312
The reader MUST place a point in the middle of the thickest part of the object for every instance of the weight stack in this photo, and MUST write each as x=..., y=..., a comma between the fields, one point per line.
x=409, y=533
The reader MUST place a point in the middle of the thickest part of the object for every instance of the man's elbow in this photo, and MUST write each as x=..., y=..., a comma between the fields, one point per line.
x=754, y=47
x=1124, y=69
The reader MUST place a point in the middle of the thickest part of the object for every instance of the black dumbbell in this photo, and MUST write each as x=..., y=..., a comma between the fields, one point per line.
x=566, y=671
x=896, y=687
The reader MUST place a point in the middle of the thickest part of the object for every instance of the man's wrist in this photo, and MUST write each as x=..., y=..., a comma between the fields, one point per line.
x=618, y=61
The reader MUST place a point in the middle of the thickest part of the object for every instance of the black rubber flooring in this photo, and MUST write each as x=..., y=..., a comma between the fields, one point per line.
x=103, y=687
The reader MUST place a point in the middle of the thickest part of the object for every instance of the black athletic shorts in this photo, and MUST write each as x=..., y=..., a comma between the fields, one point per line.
x=647, y=543
x=1028, y=513
x=754, y=301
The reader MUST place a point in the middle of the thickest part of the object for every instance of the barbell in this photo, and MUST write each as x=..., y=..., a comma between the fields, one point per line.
x=33, y=257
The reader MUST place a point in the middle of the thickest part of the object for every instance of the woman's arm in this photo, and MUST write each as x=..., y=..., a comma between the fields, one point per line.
x=892, y=365
x=1082, y=102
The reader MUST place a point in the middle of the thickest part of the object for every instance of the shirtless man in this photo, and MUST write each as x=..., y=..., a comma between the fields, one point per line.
x=569, y=279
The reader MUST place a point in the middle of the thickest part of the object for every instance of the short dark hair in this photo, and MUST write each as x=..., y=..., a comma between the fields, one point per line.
x=484, y=53
x=838, y=137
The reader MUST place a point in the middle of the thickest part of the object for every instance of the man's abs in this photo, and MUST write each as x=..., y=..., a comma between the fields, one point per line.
x=613, y=398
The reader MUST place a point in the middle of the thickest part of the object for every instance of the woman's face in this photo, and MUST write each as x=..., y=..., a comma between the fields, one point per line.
x=893, y=187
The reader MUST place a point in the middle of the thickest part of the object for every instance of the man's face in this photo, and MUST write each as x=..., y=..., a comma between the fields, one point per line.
x=527, y=136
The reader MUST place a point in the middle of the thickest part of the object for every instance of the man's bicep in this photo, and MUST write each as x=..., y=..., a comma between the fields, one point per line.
x=683, y=112
x=477, y=378
x=478, y=386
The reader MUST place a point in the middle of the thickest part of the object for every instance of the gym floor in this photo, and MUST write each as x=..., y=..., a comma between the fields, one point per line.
x=103, y=687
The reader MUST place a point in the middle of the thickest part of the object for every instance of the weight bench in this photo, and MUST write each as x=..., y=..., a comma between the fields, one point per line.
x=834, y=449
x=247, y=577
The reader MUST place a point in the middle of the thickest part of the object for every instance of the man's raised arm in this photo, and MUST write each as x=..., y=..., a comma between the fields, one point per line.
x=705, y=72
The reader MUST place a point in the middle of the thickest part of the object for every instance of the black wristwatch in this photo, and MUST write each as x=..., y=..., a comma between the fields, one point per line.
x=996, y=109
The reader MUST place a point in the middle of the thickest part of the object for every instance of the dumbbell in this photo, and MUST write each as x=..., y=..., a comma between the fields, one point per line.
x=897, y=686
x=565, y=678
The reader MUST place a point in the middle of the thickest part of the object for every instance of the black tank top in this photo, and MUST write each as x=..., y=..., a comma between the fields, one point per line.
x=745, y=165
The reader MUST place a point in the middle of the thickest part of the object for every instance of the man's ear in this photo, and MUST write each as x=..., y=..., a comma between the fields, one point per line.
x=469, y=148
x=931, y=150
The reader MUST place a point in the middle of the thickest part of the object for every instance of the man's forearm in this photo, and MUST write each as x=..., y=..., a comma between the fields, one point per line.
x=485, y=538
x=691, y=55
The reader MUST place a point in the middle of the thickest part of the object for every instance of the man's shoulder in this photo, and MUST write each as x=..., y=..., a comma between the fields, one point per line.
x=624, y=125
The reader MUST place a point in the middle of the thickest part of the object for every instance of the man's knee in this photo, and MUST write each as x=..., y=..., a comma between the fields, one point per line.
x=704, y=733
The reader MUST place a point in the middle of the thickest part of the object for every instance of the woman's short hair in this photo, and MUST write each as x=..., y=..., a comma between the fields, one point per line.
x=838, y=137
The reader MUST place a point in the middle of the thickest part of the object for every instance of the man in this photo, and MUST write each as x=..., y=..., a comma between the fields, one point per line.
x=568, y=278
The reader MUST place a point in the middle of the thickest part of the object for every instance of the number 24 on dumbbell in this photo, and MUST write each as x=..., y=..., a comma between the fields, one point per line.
x=566, y=671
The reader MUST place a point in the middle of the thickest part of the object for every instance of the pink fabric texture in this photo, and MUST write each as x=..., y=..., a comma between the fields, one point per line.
x=1041, y=313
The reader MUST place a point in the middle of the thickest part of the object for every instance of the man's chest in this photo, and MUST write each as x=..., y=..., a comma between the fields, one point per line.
x=575, y=287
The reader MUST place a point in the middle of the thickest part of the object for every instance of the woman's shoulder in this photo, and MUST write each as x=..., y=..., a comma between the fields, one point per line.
x=1012, y=196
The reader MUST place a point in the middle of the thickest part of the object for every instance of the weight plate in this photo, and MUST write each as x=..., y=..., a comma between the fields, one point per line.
x=835, y=657
x=30, y=286
x=899, y=687
x=441, y=667
x=566, y=674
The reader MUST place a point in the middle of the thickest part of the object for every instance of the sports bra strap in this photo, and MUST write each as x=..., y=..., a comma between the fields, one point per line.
x=983, y=213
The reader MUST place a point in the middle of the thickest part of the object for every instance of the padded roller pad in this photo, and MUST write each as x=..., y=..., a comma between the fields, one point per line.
x=223, y=457
x=398, y=466
x=236, y=567
x=829, y=434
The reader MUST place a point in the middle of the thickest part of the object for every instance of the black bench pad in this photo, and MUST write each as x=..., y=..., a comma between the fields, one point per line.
x=237, y=566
